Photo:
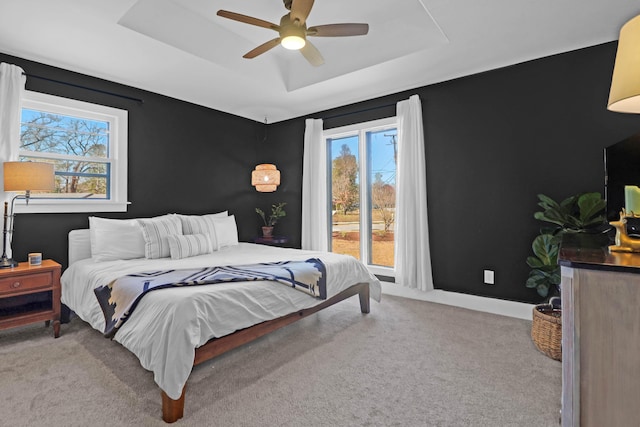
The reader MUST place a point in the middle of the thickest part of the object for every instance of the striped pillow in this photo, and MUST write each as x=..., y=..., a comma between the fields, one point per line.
x=155, y=232
x=188, y=245
x=193, y=224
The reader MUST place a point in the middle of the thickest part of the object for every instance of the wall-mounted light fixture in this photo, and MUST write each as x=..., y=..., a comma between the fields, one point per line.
x=624, y=96
x=265, y=177
x=22, y=176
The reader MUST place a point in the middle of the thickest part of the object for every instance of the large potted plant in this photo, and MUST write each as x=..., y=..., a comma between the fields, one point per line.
x=582, y=213
x=277, y=212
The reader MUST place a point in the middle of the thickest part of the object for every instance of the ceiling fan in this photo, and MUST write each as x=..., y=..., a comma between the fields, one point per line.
x=293, y=30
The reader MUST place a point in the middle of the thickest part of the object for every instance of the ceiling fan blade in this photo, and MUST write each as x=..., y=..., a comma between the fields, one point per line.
x=248, y=19
x=300, y=10
x=262, y=48
x=338, y=30
x=312, y=54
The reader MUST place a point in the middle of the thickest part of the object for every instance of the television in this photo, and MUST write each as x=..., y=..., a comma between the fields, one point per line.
x=621, y=167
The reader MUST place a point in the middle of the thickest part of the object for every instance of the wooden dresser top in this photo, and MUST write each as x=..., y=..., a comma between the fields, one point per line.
x=591, y=251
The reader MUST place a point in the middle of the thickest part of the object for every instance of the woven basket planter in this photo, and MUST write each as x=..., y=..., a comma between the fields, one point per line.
x=546, y=330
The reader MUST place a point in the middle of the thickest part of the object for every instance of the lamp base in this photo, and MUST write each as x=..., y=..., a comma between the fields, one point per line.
x=7, y=262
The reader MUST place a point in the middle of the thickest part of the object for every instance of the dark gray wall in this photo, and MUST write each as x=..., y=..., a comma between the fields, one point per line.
x=493, y=141
x=182, y=158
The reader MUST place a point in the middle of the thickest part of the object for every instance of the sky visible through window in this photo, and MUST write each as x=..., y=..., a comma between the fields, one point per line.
x=52, y=132
x=382, y=153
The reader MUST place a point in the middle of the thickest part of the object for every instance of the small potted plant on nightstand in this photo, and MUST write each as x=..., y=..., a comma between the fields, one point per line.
x=277, y=212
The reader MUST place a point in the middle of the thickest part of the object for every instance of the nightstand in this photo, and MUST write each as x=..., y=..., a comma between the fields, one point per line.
x=24, y=280
x=272, y=241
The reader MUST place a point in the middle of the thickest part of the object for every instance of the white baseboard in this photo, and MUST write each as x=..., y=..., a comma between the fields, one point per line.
x=472, y=302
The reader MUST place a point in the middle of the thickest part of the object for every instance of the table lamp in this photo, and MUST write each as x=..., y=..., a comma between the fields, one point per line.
x=624, y=96
x=22, y=176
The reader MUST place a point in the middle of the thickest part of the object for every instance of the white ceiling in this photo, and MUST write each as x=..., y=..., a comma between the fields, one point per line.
x=182, y=49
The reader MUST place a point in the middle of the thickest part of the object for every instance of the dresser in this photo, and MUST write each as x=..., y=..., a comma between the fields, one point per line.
x=600, y=334
x=25, y=280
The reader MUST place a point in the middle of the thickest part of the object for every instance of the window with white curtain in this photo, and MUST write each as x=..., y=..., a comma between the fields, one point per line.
x=361, y=162
x=87, y=144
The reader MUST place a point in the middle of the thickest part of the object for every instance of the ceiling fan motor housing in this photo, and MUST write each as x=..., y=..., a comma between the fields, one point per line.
x=292, y=34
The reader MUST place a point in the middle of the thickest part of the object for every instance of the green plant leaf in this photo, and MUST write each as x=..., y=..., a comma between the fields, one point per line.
x=534, y=279
x=592, y=208
x=539, y=281
x=261, y=213
x=545, y=247
x=534, y=262
x=543, y=291
x=547, y=202
x=553, y=230
x=549, y=216
x=569, y=203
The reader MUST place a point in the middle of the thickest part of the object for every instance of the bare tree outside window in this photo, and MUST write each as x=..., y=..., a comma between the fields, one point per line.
x=75, y=146
x=383, y=197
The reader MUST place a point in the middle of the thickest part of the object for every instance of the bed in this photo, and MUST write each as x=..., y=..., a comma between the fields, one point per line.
x=174, y=329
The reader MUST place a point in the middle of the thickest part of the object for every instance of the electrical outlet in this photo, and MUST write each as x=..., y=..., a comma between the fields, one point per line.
x=489, y=277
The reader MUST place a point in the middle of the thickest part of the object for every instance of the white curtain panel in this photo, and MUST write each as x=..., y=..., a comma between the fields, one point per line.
x=12, y=81
x=412, y=254
x=314, y=188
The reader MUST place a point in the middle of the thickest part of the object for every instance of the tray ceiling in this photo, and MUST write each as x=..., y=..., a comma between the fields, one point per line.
x=182, y=49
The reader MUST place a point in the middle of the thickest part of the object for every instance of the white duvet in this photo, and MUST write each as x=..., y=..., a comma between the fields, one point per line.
x=169, y=324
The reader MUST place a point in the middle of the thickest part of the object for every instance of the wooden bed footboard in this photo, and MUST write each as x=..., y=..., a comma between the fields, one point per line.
x=173, y=410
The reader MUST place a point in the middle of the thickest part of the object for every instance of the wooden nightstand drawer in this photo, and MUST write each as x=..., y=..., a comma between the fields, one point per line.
x=29, y=282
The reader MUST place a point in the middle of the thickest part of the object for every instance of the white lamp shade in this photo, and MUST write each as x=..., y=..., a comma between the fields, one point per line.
x=624, y=96
x=265, y=177
x=28, y=176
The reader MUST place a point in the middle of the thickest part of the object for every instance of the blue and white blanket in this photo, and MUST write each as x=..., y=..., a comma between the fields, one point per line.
x=120, y=297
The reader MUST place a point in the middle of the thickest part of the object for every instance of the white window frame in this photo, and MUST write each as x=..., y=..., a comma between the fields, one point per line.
x=118, y=126
x=360, y=130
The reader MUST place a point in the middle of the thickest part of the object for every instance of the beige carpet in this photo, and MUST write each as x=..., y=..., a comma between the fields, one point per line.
x=407, y=363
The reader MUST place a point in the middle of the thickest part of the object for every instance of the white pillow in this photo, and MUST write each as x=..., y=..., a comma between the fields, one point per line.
x=155, y=232
x=113, y=239
x=222, y=214
x=188, y=245
x=226, y=231
x=195, y=224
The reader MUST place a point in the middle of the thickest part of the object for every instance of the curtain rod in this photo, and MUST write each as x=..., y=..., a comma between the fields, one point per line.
x=359, y=111
x=85, y=87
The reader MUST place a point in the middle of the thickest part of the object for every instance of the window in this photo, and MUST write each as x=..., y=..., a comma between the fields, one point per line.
x=87, y=143
x=362, y=171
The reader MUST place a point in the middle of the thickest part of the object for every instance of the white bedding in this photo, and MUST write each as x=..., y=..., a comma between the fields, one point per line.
x=169, y=324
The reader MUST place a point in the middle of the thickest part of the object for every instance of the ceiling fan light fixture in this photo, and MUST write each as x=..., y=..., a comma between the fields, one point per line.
x=293, y=42
x=293, y=31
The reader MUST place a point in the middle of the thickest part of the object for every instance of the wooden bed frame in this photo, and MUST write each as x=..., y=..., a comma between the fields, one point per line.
x=173, y=410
